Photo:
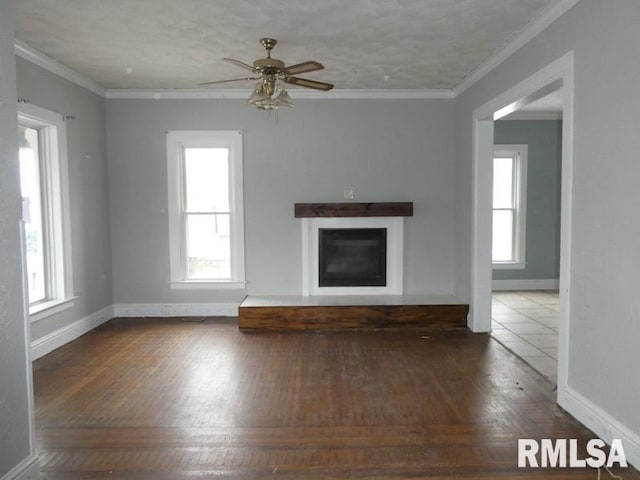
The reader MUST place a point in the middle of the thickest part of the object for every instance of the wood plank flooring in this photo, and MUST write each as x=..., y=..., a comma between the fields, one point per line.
x=163, y=399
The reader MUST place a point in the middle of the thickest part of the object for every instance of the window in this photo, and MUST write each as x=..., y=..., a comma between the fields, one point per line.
x=46, y=223
x=509, y=206
x=205, y=209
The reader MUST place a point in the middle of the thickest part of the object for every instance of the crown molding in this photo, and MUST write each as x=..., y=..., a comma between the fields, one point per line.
x=376, y=93
x=28, y=53
x=295, y=94
x=159, y=94
x=25, y=51
x=554, y=11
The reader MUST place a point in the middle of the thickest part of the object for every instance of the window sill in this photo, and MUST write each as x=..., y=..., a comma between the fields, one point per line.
x=44, y=310
x=509, y=266
x=215, y=285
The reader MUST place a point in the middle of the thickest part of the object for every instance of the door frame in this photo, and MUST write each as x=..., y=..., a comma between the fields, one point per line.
x=558, y=74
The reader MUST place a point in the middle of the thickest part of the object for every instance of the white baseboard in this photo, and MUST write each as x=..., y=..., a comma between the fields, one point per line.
x=64, y=335
x=533, y=284
x=601, y=423
x=175, y=310
x=28, y=469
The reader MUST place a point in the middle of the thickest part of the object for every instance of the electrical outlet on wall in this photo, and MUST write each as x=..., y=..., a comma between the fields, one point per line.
x=349, y=194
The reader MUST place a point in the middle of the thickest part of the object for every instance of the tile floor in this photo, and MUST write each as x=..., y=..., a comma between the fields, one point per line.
x=526, y=322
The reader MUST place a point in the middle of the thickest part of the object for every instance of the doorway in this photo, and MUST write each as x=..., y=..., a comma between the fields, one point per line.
x=557, y=75
x=526, y=208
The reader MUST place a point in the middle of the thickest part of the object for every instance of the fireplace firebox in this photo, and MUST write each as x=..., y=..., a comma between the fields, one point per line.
x=352, y=257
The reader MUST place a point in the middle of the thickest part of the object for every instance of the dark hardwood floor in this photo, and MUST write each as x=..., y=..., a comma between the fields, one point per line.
x=163, y=399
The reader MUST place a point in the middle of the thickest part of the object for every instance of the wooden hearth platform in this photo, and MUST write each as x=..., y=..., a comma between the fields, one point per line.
x=313, y=313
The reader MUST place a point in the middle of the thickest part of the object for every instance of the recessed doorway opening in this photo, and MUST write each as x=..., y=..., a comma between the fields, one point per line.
x=557, y=75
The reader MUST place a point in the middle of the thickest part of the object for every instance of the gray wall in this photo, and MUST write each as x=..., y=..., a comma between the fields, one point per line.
x=544, y=141
x=604, y=324
x=14, y=365
x=387, y=150
x=89, y=201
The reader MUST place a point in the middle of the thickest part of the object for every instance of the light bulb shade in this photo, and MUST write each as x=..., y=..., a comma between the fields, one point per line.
x=283, y=99
x=258, y=95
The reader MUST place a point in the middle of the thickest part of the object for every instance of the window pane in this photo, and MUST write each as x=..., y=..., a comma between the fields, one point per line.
x=32, y=203
x=503, y=236
x=208, y=247
x=502, y=182
x=207, y=179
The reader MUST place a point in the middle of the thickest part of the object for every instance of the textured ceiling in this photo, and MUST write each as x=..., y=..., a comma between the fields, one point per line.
x=364, y=44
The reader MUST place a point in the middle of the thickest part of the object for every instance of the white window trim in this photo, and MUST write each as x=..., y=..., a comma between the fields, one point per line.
x=520, y=153
x=177, y=140
x=46, y=309
x=55, y=189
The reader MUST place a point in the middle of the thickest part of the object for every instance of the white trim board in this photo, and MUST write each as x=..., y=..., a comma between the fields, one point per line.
x=140, y=310
x=531, y=284
x=68, y=333
x=27, y=469
x=601, y=423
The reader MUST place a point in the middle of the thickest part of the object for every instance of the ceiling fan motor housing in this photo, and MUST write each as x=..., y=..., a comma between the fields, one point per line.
x=269, y=66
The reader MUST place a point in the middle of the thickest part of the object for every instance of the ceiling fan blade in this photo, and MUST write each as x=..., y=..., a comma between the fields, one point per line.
x=240, y=64
x=304, y=67
x=231, y=80
x=303, y=82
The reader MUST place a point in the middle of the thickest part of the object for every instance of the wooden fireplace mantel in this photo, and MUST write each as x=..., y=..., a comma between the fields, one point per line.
x=373, y=209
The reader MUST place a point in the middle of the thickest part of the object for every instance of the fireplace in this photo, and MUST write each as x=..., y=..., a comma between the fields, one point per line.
x=352, y=257
x=360, y=255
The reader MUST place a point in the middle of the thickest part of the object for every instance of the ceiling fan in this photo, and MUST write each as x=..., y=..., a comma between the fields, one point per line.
x=272, y=75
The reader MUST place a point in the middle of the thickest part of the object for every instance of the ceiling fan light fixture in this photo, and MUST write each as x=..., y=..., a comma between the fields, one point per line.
x=273, y=74
x=262, y=96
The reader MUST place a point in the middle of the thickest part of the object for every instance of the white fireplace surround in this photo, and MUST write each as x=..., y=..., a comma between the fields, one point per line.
x=310, y=254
